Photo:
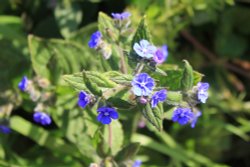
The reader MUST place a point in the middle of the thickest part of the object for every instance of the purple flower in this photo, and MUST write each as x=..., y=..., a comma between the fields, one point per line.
x=145, y=49
x=121, y=16
x=182, y=115
x=142, y=85
x=161, y=54
x=23, y=84
x=42, y=118
x=202, y=91
x=194, y=120
x=83, y=99
x=159, y=96
x=105, y=114
x=95, y=39
x=5, y=129
x=137, y=163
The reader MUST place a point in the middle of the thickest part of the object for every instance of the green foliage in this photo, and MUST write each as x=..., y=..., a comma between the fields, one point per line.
x=212, y=35
x=187, y=79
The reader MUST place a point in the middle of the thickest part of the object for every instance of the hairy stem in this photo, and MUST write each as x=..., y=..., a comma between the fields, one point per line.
x=110, y=136
x=139, y=68
x=123, y=67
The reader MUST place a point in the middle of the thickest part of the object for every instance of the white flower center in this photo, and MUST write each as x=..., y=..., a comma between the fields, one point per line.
x=106, y=113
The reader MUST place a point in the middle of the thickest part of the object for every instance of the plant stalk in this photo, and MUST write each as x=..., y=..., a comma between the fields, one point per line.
x=110, y=136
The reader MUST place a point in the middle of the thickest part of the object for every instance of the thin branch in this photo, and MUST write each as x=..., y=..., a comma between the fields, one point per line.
x=212, y=56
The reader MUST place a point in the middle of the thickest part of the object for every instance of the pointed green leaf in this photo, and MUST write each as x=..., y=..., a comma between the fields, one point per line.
x=107, y=28
x=53, y=57
x=119, y=103
x=187, y=79
x=142, y=32
x=77, y=82
x=92, y=86
x=154, y=116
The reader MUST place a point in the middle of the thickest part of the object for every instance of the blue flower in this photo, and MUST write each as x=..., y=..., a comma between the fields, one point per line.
x=23, y=84
x=83, y=99
x=95, y=39
x=159, y=96
x=194, y=120
x=42, y=118
x=5, y=129
x=137, y=163
x=202, y=91
x=121, y=16
x=144, y=49
x=142, y=85
x=161, y=54
x=105, y=114
x=182, y=115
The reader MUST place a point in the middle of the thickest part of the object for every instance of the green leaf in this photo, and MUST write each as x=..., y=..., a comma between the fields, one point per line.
x=119, y=78
x=173, y=79
x=154, y=116
x=174, y=98
x=92, y=86
x=75, y=81
x=101, y=80
x=128, y=152
x=106, y=26
x=51, y=58
x=187, y=79
x=120, y=103
x=117, y=136
x=68, y=18
x=142, y=32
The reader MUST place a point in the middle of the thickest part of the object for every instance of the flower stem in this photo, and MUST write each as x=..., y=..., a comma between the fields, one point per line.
x=139, y=68
x=110, y=136
x=123, y=67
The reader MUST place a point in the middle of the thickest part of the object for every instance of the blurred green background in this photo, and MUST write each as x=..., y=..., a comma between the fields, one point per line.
x=213, y=35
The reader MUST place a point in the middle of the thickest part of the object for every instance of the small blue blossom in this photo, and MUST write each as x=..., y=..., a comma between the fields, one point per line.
x=194, y=120
x=42, y=118
x=83, y=99
x=159, y=96
x=182, y=115
x=105, y=114
x=144, y=49
x=142, y=85
x=95, y=39
x=202, y=91
x=137, y=163
x=161, y=54
x=5, y=129
x=121, y=16
x=23, y=84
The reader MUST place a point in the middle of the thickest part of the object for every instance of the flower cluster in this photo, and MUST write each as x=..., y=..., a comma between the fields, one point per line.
x=143, y=85
x=105, y=114
x=148, y=51
x=185, y=115
x=28, y=86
